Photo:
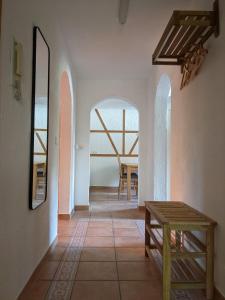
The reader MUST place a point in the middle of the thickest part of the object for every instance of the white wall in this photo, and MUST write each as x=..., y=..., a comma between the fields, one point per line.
x=198, y=138
x=161, y=136
x=105, y=170
x=90, y=92
x=25, y=235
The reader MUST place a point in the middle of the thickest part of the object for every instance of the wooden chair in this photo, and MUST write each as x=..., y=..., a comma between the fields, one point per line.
x=123, y=178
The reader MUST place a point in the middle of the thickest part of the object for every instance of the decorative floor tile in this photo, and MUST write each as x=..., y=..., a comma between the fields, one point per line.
x=60, y=290
x=66, y=271
x=77, y=242
x=72, y=254
x=81, y=229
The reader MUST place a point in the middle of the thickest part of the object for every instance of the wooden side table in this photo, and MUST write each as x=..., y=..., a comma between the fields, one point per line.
x=184, y=238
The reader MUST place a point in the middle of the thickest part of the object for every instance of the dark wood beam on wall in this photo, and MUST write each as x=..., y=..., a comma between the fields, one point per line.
x=113, y=131
x=134, y=145
x=106, y=130
x=112, y=155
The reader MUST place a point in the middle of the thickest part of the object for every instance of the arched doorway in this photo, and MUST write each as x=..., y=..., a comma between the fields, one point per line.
x=162, y=126
x=65, y=138
x=114, y=134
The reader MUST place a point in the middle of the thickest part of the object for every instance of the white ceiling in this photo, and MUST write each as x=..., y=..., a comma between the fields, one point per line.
x=101, y=48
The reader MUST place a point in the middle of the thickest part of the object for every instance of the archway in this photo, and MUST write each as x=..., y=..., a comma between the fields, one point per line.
x=65, y=143
x=114, y=134
x=162, y=125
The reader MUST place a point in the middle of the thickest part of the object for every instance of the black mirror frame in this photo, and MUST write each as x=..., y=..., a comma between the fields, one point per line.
x=35, y=30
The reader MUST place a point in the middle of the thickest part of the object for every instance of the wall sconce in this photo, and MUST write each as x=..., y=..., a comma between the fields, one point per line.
x=17, y=70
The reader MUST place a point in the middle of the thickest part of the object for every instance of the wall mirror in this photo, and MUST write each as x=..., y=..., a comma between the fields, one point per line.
x=39, y=120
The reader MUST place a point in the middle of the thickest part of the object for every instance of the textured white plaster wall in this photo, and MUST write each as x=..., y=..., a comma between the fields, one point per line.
x=91, y=92
x=25, y=235
x=198, y=139
x=161, y=136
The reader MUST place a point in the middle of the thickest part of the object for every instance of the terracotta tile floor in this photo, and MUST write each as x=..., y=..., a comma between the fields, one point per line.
x=99, y=255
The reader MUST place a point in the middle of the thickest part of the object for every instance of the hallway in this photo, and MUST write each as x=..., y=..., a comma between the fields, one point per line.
x=99, y=255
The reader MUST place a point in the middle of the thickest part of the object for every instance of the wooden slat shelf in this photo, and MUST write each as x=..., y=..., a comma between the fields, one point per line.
x=179, y=236
x=185, y=32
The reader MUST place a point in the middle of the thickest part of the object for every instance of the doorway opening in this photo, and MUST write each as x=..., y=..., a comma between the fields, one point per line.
x=65, y=146
x=114, y=135
x=162, y=128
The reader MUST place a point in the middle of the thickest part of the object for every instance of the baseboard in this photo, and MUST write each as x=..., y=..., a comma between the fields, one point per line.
x=81, y=207
x=66, y=216
x=104, y=188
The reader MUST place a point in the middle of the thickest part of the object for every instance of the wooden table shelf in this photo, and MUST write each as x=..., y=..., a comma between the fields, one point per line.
x=184, y=240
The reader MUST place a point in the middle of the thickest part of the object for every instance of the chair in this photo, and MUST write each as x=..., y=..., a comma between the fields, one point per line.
x=123, y=178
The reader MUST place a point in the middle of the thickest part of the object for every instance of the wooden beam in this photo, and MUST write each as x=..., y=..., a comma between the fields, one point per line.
x=134, y=145
x=40, y=129
x=112, y=155
x=41, y=142
x=105, y=128
x=39, y=153
x=113, y=131
x=124, y=127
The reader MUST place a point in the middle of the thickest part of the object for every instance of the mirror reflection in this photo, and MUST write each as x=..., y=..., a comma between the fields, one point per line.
x=39, y=134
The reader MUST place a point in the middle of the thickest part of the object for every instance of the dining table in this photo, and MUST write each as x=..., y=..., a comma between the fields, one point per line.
x=130, y=168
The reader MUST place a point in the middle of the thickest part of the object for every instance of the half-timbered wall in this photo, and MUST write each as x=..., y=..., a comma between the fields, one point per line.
x=113, y=131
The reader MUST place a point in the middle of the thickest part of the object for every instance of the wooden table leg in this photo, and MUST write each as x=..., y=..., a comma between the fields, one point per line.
x=147, y=236
x=128, y=183
x=166, y=263
x=210, y=264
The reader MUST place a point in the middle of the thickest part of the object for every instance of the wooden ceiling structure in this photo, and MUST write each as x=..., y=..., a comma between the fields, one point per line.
x=184, y=34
